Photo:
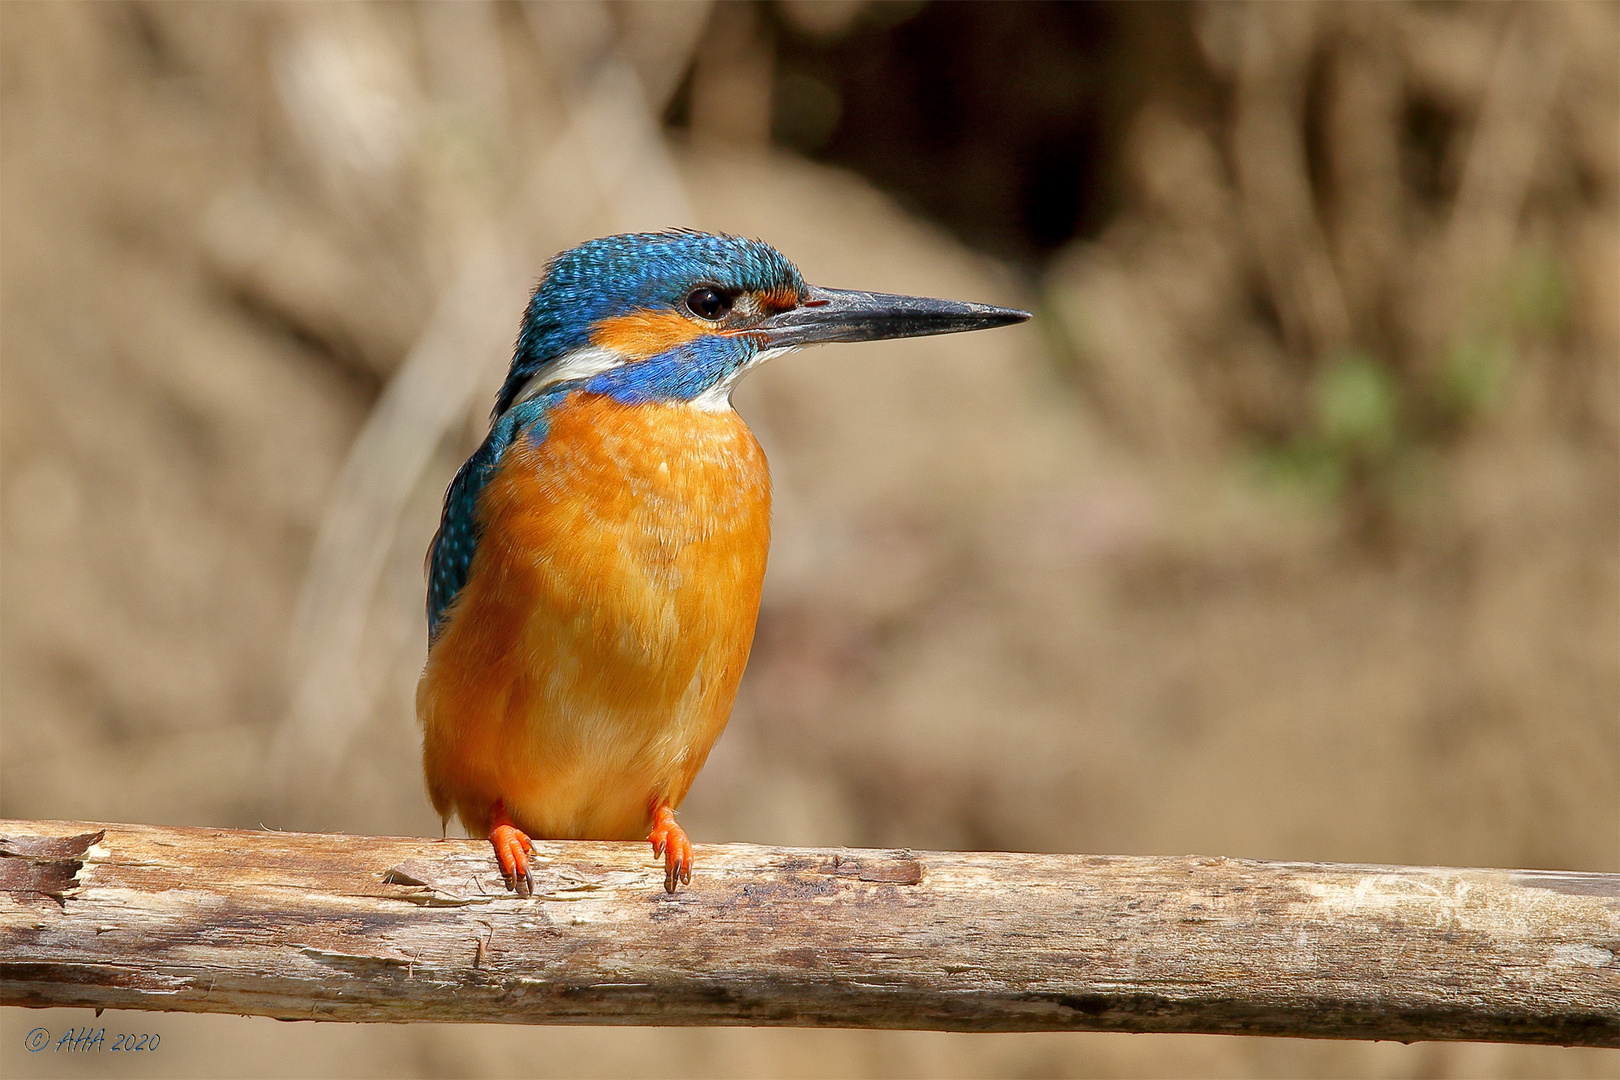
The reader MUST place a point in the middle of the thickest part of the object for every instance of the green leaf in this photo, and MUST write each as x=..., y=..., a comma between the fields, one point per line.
x=1356, y=401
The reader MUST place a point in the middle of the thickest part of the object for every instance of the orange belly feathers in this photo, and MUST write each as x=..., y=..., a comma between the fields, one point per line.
x=592, y=659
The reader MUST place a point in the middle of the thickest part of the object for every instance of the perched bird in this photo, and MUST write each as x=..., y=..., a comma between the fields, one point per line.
x=595, y=579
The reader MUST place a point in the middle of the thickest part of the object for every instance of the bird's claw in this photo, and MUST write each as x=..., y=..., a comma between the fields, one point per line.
x=511, y=852
x=512, y=848
x=669, y=840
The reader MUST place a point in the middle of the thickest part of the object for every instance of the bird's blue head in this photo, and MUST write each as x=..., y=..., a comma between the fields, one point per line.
x=680, y=316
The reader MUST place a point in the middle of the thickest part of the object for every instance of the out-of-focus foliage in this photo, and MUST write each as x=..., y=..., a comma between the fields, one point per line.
x=1287, y=529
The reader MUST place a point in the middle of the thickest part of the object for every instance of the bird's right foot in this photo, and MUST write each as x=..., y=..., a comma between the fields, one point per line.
x=512, y=848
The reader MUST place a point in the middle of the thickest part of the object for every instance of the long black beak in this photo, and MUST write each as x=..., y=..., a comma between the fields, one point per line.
x=847, y=315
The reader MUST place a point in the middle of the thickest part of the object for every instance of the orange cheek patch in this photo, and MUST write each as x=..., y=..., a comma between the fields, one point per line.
x=644, y=334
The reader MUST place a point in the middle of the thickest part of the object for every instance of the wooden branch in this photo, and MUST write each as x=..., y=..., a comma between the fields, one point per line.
x=322, y=927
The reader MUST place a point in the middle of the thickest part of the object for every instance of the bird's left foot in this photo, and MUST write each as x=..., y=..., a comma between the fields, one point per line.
x=669, y=840
x=512, y=848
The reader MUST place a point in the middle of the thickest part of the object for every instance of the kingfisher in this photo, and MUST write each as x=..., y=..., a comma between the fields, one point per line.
x=595, y=578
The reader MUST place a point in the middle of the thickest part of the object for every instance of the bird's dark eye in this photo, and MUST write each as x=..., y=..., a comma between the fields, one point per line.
x=708, y=303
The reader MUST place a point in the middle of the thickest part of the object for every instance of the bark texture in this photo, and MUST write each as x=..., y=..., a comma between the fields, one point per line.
x=325, y=927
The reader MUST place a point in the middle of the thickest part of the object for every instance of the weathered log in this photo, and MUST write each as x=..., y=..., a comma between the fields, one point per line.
x=303, y=926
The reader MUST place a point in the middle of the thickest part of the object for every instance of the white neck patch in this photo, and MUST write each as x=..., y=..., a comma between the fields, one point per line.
x=582, y=363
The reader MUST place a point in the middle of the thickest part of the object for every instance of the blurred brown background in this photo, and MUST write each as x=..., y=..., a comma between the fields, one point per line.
x=1287, y=529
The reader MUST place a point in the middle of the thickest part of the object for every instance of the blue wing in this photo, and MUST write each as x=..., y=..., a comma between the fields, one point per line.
x=450, y=557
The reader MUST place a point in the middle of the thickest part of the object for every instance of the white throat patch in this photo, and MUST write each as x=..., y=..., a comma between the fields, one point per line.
x=717, y=398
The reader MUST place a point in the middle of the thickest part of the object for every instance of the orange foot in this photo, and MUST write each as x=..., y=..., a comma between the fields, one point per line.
x=511, y=845
x=669, y=840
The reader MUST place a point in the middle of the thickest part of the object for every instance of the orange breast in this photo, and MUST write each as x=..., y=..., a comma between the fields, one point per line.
x=592, y=659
